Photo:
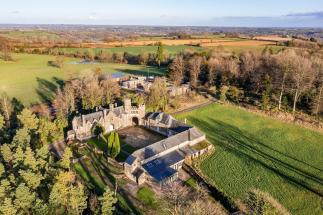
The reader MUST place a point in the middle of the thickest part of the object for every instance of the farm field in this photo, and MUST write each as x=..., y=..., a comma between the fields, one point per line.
x=236, y=47
x=135, y=50
x=166, y=41
x=31, y=80
x=240, y=49
x=238, y=43
x=254, y=152
x=28, y=34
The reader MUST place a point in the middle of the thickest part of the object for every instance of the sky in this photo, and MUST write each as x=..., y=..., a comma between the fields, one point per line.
x=236, y=13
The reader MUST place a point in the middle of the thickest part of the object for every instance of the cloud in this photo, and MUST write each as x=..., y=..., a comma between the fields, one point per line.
x=311, y=19
x=318, y=14
x=91, y=17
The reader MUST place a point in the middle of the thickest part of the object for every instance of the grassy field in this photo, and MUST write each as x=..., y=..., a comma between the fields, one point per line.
x=135, y=50
x=31, y=80
x=258, y=152
x=33, y=34
x=173, y=50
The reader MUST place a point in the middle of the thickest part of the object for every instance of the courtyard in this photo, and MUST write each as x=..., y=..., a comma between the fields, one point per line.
x=134, y=138
x=138, y=137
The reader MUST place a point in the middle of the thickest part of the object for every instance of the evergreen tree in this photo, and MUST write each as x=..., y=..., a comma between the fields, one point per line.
x=1, y=121
x=24, y=198
x=7, y=207
x=22, y=138
x=65, y=162
x=30, y=160
x=28, y=119
x=2, y=169
x=160, y=54
x=19, y=156
x=110, y=143
x=116, y=145
x=32, y=180
x=6, y=153
x=113, y=145
x=77, y=200
x=40, y=208
x=67, y=196
x=48, y=131
x=107, y=202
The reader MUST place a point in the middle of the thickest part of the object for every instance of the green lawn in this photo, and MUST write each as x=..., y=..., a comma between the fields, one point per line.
x=31, y=80
x=96, y=173
x=98, y=143
x=135, y=50
x=258, y=152
x=240, y=49
x=147, y=197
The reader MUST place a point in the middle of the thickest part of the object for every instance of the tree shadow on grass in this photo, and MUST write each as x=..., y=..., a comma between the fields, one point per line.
x=248, y=147
x=92, y=181
x=106, y=178
x=144, y=72
x=46, y=89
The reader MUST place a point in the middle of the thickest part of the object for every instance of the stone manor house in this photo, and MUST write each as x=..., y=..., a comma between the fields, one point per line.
x=159, y=161
x=111, y=119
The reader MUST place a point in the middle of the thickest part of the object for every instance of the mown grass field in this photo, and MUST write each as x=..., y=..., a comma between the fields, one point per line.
x=175, y=49
x=135, y=50
x=30, y=79
x=258, y=152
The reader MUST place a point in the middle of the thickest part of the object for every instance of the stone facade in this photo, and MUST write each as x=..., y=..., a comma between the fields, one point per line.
x=143, y=84
x=111, y=119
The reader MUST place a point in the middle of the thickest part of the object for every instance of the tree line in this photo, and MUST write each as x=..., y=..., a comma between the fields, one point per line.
x=288, y=80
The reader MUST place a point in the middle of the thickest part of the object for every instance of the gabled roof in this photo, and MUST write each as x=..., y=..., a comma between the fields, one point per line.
x=160, y=169
x=118, y=111
x=168, y=143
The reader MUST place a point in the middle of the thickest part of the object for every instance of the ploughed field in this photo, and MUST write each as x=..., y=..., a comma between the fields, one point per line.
x=30, y=79
x=255, y=152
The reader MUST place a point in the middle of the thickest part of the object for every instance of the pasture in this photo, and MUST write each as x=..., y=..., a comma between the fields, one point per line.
x=235, y=46
x=135, y=50
x=255, y=152
x=30, y=79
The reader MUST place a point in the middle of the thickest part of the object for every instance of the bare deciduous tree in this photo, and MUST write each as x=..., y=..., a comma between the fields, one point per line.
x=194, y=68
x=177, y=196
x=285, y=68
x=6, y=107
x=176, y=70
x=317, y=106
x=302, y=78
x=110, y=91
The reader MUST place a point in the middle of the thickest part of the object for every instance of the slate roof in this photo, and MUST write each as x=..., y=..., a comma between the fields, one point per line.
x=160, y=169
x=98, y=115
x=165, y=119
x=168, y=143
